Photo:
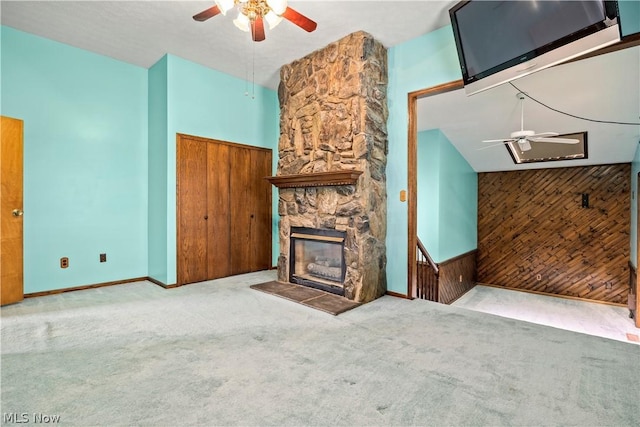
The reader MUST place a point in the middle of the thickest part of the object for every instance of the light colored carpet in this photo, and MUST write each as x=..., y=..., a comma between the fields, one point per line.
x=591, y=318
x=219, y=353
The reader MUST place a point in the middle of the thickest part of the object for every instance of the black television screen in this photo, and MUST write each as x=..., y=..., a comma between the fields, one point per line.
x=493, y=36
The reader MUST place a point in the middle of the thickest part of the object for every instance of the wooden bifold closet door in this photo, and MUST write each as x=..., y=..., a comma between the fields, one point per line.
x=223, y=209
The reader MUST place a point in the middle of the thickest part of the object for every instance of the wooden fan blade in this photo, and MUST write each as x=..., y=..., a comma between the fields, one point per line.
x=556, y=140
x=299, y=19
x=257, y=29
x=206, y=14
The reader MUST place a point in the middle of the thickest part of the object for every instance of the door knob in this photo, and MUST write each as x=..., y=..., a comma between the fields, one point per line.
x=17, y=212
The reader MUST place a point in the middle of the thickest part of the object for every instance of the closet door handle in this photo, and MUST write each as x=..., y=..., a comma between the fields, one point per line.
x=206, y=217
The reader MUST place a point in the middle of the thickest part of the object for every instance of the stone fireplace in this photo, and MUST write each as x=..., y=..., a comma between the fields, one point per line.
x=331, y=169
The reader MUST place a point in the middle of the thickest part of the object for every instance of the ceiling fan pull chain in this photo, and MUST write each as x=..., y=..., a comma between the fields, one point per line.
x=253, y=73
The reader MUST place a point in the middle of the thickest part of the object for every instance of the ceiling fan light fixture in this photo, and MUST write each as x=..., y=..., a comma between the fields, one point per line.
x=524, y=144
x=225, y=5
x=242, y=22
x=253, y=13
x=272, y=19
x=277, y=6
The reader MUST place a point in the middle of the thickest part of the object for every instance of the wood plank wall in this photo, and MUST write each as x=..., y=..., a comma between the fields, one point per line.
x=450, y=285
x=534, y=234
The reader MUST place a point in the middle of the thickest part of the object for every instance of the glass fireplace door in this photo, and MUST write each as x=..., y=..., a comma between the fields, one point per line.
x=317, y=259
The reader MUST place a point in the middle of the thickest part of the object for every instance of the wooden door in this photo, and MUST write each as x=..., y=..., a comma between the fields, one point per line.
x=260, y=230
x=219, y=233
x=241, y=208
x=192, y=212
x=250, y=210
x=11, y=222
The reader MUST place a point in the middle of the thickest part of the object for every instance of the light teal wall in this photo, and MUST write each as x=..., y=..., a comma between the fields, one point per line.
x=428, y=179
x=629, y=16
x=207, y=103
x=157, y=225
x=85, y=161
x=447, y=198
x=458, y=203
x=100, y=154
x=417, y=64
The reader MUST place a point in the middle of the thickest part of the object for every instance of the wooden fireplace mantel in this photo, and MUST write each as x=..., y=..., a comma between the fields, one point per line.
x=317, y=179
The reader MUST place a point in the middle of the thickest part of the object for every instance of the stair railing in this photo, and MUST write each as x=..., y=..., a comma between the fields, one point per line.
x=427, y=276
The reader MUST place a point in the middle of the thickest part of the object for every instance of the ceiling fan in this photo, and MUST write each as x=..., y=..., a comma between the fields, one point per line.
x=524, y=138
x=253, y=13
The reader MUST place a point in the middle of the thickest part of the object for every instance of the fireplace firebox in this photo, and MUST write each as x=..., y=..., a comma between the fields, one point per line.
x=317, y=258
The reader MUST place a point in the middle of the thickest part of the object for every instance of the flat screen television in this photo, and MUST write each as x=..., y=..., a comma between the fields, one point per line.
x=499, y=41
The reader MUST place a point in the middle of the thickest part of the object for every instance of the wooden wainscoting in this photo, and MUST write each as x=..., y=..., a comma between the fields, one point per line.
x=457, y=276
x=534, y=233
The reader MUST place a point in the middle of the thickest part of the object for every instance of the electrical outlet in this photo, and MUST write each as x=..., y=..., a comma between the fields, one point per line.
x=461, y=278
x=103, y=257
x=539, y=277
x=64, y=262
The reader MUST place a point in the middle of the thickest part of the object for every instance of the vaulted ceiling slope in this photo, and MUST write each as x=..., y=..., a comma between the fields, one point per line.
x=604, y=87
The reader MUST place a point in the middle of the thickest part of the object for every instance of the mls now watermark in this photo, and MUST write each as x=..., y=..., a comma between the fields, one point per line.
x=26, y=417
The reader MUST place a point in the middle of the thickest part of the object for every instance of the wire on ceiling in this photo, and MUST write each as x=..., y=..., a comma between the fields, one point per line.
x=572, y=115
